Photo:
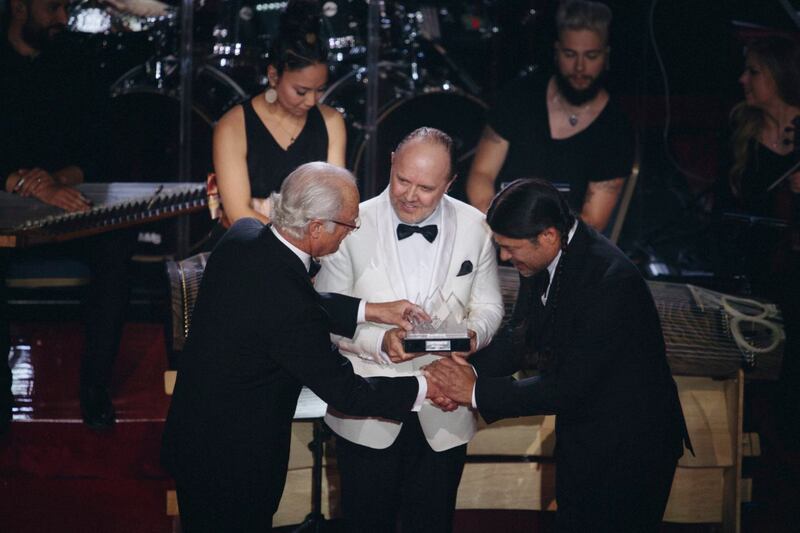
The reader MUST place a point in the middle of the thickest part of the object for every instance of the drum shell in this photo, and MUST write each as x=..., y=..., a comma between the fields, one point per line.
x=144, y=129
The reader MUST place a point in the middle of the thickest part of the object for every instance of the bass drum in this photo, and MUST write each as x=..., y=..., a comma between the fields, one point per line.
x=145, y=121
x=403, y=110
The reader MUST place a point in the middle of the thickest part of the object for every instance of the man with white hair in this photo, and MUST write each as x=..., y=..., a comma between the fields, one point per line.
x=259, y=332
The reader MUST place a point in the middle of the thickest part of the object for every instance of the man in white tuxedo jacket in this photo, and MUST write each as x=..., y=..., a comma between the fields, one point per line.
x=413, y=241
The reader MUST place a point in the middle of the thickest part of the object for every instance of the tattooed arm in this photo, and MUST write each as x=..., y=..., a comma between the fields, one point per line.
x=489, y=158
x=599, y=202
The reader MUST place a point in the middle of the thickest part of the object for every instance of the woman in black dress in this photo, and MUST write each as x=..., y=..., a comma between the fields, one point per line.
x=763, y=149
x=257, y=144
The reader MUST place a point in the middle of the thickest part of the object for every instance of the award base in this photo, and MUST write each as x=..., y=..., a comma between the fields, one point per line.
x=416, y=345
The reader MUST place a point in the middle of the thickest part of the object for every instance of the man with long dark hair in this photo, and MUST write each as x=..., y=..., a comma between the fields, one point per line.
x=585, y=317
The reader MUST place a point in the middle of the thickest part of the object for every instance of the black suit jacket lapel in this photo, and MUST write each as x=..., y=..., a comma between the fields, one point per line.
x=341, y=310
x=286, y=256
x=569, y=282
x=573, y=266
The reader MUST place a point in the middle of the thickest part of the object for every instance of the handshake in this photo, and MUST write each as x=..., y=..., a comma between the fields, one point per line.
x=451, y=381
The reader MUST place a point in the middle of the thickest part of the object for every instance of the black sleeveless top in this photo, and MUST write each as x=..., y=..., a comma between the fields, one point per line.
x=267, y=163
x=763, y=167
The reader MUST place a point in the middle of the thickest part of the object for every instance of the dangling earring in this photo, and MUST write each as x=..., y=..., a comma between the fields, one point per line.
x=271, y=95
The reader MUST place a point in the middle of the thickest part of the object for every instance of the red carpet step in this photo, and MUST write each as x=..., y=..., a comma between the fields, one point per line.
x=56, y=474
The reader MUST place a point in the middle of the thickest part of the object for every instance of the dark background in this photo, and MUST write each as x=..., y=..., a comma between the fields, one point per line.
x=678, y=105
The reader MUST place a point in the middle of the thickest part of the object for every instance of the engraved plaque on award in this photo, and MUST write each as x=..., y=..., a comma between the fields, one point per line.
x=446, y=331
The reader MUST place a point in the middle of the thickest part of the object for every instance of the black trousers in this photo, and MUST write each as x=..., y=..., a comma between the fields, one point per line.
x=628, y=495
x=108, y=257
x=406, y=482
x=5, y=341
x=208, y=507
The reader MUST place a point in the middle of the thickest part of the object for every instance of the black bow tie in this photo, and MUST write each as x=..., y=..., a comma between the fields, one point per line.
x=313, y=268
x=429, y=232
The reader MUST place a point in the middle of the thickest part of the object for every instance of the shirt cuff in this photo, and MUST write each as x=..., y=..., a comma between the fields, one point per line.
x=361, y=317
x=421, y=393
x=383, y=357
x=474, y=388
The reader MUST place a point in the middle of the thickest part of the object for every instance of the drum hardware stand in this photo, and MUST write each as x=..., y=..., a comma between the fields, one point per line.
x=413, y=58
x=185, y=138
x=462, y=74
x=161, y=64
x=315, y=520
x=421, y=26
x=793, y=13
x=373, y=50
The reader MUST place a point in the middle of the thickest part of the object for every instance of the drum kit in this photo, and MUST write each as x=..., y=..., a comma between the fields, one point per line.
x=420, y=84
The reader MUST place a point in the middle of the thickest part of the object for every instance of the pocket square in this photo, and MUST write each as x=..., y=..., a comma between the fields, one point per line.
x=466, y=268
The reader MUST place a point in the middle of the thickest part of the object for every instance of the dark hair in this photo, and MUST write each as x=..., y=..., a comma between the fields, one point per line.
x=527, y=207
x=780, y=56
x=433, y=136
x=298, y=44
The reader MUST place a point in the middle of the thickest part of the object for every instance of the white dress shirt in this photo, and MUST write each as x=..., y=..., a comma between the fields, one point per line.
x=551, y=268
x=417, y=257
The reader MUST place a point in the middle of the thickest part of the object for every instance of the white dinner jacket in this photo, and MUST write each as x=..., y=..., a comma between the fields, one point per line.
x=367, y=266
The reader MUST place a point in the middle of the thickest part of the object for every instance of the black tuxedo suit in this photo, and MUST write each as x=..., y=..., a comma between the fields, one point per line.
x=258, y=334
x=619, y=424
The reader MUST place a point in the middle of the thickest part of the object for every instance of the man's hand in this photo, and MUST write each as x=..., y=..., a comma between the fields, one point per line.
x=41, y=185
x=66, y=198
x=453, y=377
x=392, y=344
x=473, y=345
x=400, y=313
x=34, y=180
x=440, y=401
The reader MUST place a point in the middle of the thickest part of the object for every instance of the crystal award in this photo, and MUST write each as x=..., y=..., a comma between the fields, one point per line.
x=445, y=332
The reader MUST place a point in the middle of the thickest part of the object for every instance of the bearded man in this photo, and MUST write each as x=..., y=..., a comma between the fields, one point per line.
x=565, y=128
